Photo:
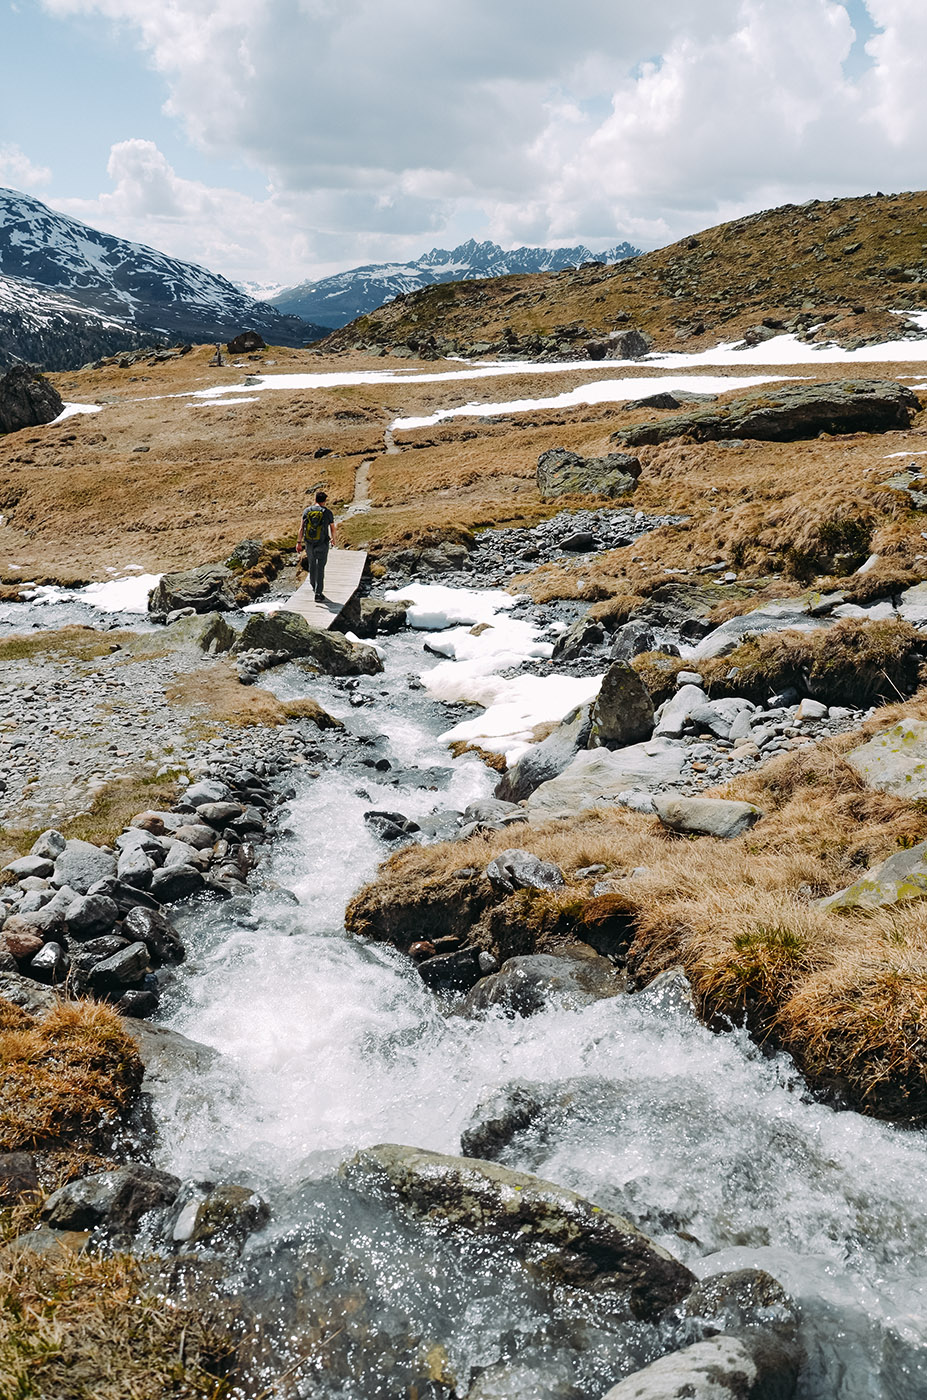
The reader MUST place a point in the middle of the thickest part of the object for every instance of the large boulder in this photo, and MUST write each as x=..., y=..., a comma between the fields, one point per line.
x=81, y=864
x=623, y=710
x=597, y=777
x=547, y=759
x=562, y=472
x=209, y=588
x=706, y=816
x=771, y=617
x=566, y=1238
x=895, y=760
x=246, y=342
x=786, y=414
x=287, y=632
x=27, y=399
x=115, y=1201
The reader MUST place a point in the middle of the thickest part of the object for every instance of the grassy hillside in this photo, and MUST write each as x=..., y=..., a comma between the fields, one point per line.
x=851, y=260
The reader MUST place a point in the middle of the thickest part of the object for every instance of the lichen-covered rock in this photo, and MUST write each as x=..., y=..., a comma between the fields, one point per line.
x=895, y=760
x=622, y=712
x=287, y=632
x=209, y=588
x=564, y=1237
x=789, y=413
x=562, y=472
x=901, y=878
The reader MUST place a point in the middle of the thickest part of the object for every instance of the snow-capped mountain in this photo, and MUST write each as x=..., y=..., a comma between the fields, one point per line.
x=122, y=288
x=334, y=301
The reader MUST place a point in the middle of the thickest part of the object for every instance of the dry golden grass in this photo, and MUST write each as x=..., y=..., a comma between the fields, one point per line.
x=214, y=693
x=111, y=809
x=75, y=643
x=83, y=1327
x=739, y=915
x=63, y=1079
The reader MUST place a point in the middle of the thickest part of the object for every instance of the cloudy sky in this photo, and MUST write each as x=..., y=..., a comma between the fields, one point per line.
x=276, y=140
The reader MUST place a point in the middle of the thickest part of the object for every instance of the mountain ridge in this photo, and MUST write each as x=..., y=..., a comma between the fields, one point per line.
x=126, y=293
x=827, y=269
x=342, y=297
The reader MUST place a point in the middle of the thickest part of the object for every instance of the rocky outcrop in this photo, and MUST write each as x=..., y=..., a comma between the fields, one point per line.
x=287, y=632
x=27, y=399
x=622, y=713
x=599, y=777
x=562, y=472
x=787, y=414
x=565, y=1238
x=547, y=759
x=209, y=588
x=245, y=343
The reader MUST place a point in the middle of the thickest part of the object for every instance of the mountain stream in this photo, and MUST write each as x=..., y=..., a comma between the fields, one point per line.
x=329, y=1045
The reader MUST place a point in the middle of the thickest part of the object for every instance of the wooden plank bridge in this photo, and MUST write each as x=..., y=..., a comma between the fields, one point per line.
x=342, y=576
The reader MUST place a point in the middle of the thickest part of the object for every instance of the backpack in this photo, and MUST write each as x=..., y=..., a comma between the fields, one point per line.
x=315, y=524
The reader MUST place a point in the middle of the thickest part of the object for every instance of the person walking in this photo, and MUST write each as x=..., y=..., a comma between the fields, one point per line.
x=316, y=533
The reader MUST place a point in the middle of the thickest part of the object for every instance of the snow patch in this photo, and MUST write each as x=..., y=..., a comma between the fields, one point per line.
x=128, y=594
x=71, y=410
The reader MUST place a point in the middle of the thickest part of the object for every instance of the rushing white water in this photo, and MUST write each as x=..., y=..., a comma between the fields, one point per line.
x=715, y=1150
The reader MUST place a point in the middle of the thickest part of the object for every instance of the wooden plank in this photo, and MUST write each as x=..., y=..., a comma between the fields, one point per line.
x=342, y=576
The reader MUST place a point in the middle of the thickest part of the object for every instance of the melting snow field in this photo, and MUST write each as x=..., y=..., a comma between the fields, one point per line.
x=71, y=410
x=481, y=642
x=127, y=594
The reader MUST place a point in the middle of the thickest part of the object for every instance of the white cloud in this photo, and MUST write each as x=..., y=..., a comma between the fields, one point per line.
x=383, y=126
x=17, y=169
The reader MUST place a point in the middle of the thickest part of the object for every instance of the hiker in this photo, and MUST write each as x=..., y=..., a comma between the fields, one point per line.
x=316, y=533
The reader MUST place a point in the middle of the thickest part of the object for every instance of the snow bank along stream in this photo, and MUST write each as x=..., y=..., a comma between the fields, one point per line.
x=328, y=1045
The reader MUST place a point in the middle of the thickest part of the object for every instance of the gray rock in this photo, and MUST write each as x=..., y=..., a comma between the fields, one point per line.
x=217, y=1218
x=674, y=713
x=562, y=472
x=530, y=982
x=788, y=413
x=209, y=588
x=159, y=935
x=898, y=880
x=331, y=653
x=597, y=777
x=179, y=853
x=176, y=883
x=771, y=617
x=135, y=867
x=30, y=865
x=116, y=1201
x=721, y=1368
x=632, y=639
x=379, y=616
x=520, y=870
x=207, y=790
x=49, y=845
x=493, y=811
x=168, y=1057
x=121, y=969
x=27, y=399
x=912, y=605
x=578, y=638
x=81, y=864
x=201, y=838
x=566, y=1238
x=135, y=838
x=811, y=709
x=218, y=813
x=91, y=914
x=24, y=992
x=706, y=816
x=50, y=963
x=622, y=712
x=547, y=759
x=895, y=760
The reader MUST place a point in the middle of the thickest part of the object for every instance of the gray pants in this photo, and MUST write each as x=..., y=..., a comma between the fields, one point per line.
x=317, y=557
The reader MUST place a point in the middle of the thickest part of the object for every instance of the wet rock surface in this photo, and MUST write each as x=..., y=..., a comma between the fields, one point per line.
x=565, y=1236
